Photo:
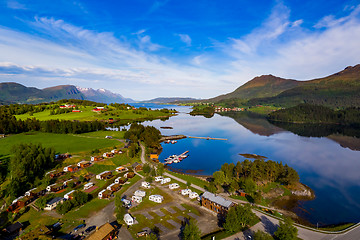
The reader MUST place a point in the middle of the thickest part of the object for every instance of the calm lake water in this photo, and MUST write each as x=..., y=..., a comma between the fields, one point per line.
x=325, y=164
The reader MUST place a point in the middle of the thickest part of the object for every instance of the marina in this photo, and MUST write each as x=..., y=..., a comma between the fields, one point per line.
x=176, y=158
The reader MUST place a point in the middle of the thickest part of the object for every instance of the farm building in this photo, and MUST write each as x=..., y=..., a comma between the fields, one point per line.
x=105, y=232
x=156, y=198
x=55, y=187
x=137, y=166
x=165, y=180
x=129, y=175
x=120, y=180
x=140, y=193
x=114, y=187
x=136, y=199
x=104, y=175
x=185, y=191
x=215, y=203
x=104, y=194
x=69, y=195
x=53, y=203
x=71, y=168
x=128, y=219
x=193, y=195
x=145, y=184
x=121, y=169
x=83, y=164
x=174, y=186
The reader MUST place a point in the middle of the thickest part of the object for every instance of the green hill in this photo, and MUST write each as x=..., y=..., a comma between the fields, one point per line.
x=338, y=90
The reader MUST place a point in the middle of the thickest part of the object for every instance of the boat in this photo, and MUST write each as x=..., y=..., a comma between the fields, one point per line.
x=173, y=141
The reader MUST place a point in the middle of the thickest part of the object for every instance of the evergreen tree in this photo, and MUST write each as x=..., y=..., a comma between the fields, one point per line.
x=191, y=231
x=286, y=230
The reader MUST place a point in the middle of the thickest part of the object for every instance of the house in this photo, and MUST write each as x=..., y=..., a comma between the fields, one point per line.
x=13, y=228
x=83, y=164
x=69, y=195
x=129, y=175
x=71, y=168
x=104, y=194
x=55, y=187
x=55, y=174
x=185, y=191
x=137, y=166
x=106, y=231
x=121, y=169
x=241, y=193
x=128, y=219
x=159, y=178
x=140, y=193
x=104, y=175
x=114, y=151
x=193, y=195
x=154, y=156
x=53, y=203
x=156, y=198
x=108, y=155
x=96, y=159
x=165, y=180
x=215, y=203
x=174, y=186
x=136, y=199
x=145, y=184
x=88, y=185
x=120, y=180
x=67, y=182
x=35, y=192
x=114, y=187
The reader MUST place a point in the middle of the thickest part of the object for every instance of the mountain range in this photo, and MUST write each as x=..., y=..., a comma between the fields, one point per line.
x=337, y=90
x=11, y=92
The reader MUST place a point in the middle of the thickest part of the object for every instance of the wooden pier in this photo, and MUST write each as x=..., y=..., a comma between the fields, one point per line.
x=208, y=138
x=173, y=137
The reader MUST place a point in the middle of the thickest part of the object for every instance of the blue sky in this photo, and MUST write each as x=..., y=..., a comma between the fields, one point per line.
x=144, y=48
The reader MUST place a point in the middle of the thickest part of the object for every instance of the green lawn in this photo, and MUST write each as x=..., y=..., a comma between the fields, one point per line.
x=192, y=179
x=87, y=209
x=61, y=142
x=102, y=134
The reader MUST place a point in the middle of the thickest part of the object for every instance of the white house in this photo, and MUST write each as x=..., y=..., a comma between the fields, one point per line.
x=67, y=196
x=140, y=193
x=128, y=219
x=165, y=180
x=145, y=184
x=53, y=203
x=174, y=186
x=158, y=178
x=193, y=195
x=88, y=185
x=137, y=199
x=185, y=191
x=156, y=198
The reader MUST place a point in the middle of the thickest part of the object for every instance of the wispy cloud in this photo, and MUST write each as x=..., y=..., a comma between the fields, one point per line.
x=185, y=38
x=13, y=4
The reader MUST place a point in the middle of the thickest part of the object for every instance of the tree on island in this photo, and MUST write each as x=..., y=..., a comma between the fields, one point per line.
x=190, y=230
x=286, y=230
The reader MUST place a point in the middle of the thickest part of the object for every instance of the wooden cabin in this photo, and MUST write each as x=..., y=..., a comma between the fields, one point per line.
x=55, y=187
x=106, y=231
x=55, y=174
x=137, y=166
x=114, y=187
x=83, y=164
x=96, y=159
x=104, y=194
x=129, y=175
x=121, y=169
x=120, y=180
x=104, y=175
x=36, y=192
x=108, y=155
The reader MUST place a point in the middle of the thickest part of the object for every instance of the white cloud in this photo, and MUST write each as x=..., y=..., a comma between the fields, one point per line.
x=185, y=38
x=15, y=5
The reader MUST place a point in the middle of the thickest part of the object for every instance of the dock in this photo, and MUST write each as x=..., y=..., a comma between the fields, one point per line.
x=208, y=138
x=173, y=137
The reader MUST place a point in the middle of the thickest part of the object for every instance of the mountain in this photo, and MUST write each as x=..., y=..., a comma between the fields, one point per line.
x=103, y=95
x=337, y=90
x=169, y=100
x=11, y=92
x=259, y=87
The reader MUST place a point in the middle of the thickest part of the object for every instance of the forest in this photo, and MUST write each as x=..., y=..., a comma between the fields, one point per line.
x=307, y=113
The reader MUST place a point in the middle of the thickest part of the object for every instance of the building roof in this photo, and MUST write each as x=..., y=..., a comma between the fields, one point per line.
x=136, y=164
x=128, y=217
x=102, y=232
x=14, y=227
x=217, y=199
x=54, y=200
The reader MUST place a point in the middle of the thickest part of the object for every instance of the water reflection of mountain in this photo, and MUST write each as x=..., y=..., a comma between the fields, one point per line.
x=254, y=122
x=346, y=136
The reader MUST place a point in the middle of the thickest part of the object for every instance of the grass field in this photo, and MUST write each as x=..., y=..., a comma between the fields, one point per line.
x=61, y=142
x=102, y=134
x=87, y=114
x=189, y=178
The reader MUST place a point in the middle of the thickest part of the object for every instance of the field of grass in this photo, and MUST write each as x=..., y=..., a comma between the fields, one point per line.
x=61, y=142
x=87, y=209
x=87, y=114
x=192, y=179
x=102, y=134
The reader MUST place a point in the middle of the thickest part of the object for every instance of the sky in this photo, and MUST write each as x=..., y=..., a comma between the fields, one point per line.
x=144, y=49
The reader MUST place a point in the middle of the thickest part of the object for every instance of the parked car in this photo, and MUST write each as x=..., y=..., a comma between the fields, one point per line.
x=89, y=229
x=79, y=227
